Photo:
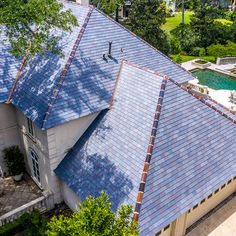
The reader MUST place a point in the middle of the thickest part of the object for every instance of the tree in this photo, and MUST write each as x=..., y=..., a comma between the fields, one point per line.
x=28, y=26
x=146, y=18
x=202, y=22
x=186, y=37
x=109, y=6
x=95, y=218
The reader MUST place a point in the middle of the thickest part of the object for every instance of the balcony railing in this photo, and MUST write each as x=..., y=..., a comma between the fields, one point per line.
x=43, y=204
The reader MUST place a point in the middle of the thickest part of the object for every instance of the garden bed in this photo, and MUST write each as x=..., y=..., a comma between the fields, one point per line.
x=200, y=63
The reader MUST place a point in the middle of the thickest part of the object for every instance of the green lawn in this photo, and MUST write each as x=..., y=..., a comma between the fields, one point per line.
x=188, y=58
x=174, y=21
x=225, y=22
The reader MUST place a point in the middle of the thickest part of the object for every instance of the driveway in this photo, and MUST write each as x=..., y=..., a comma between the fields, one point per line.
x=221, y=223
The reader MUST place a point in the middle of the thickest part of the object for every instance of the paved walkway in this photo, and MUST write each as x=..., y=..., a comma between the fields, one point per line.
x=15, y=194
x=220, y=223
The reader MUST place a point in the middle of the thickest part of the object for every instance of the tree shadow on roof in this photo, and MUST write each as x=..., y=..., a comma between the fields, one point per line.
x=86, y=89
x=88, y=170
x=96, y=173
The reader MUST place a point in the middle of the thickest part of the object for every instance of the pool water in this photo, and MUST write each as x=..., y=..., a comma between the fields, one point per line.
x=215, y=80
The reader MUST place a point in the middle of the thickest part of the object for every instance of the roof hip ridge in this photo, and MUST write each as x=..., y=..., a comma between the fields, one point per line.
x=66, y=67
x=204, y=101
x=150, y=150
x=146, y=69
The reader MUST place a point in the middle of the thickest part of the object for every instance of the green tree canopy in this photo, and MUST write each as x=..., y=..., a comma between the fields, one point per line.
x=146, y=18
x=109, y=6
x=28, y=25
x=202, y=22
x=95, y=218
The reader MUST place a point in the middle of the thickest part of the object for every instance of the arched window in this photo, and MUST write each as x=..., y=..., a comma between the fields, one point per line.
x=35, y=165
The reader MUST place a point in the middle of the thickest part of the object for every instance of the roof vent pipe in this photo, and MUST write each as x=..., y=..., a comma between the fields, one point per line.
x=109, y=52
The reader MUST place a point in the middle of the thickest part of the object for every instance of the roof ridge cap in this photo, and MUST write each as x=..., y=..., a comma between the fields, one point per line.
x=136, y=36
x=227, y=109
x=146, y=69
x=66, y=67
x=149, y=150
x=136, y=66
x=116, y=84
x=204, y=101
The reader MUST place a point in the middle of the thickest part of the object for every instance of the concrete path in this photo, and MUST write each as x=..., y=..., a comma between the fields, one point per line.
x=220, y=223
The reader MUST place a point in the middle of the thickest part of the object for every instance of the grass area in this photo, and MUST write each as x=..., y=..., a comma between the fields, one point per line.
x=224, y=21
x=188, y=58
x=174, y=21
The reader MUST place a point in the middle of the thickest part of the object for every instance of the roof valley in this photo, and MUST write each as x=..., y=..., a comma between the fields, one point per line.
x=149, y=150
x=66, y=67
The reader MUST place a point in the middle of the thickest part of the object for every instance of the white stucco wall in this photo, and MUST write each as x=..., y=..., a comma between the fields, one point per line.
x=8, y=131
x=39, y=144
x=70, y=197
x=51, y=145
x=60, y=140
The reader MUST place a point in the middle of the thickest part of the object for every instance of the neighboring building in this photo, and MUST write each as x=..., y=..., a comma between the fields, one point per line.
x=117, y=117
x=124, y=11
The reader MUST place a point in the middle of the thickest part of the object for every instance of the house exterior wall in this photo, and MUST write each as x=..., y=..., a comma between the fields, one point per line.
x=180, y=225
x=37, y=143
x=8, y=132
x=70, y=197
x=60, y=140
x=50, y=146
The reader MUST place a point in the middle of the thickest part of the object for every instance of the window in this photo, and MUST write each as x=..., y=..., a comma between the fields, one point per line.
x=234, y=177
x=35, y=166
x=229, y=181
x=30, y=127
x=195, y=206
x=223, y=186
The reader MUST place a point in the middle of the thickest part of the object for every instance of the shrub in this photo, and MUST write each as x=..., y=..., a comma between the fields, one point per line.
x=179, y=58
x=33, y=224
x=95, y=218
x=197, y=51
x=14, y=160
x=218, y=50
x=202, y=52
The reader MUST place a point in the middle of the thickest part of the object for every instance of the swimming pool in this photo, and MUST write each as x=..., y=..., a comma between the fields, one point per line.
x=215, y=80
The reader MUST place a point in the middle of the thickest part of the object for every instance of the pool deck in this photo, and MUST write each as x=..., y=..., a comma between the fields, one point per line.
x=221, y=96
x=219, y=68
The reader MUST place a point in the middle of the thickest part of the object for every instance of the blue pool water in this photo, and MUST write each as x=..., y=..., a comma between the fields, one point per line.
x=215, y=80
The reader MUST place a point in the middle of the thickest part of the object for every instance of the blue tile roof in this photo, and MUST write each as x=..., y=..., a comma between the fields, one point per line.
x=193, y=155
x=89, y=82
x=8, y=67
x=222, y=108
x=113, y=149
